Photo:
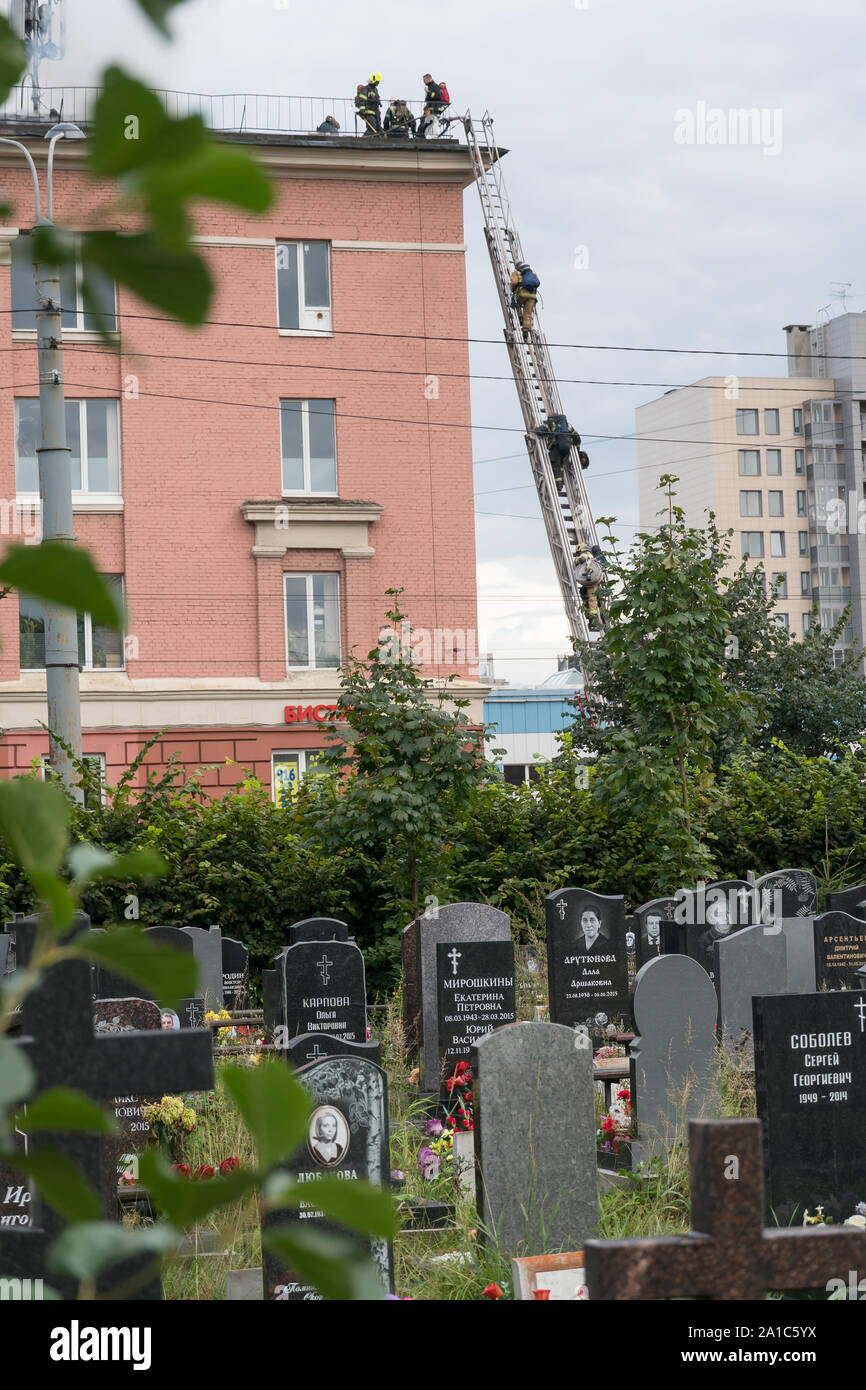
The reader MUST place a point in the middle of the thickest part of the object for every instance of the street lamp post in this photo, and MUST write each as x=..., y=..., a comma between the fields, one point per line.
x=55, y=489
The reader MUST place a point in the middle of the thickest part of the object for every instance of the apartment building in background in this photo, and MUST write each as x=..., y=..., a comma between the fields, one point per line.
x=253, y=487
x=780, y=461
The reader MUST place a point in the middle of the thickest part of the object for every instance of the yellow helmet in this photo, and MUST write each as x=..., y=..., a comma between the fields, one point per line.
x=376, y=77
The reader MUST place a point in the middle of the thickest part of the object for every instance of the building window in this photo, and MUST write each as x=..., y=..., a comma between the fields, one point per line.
x=805, y=583
x=99, y=314
x=749, y=462
x=799, y=460
x=753, y=544
x=771, y=422
x=807, y=623
x=777, y=542
x=747, y=422
x=303, y=286
x=803, y=537
x=99, y=648
x=93, y=436
x=313, y=621
x=308, y=446
x=798, y=420
x=782, y=620
x=750, y=504
x=774, y=462
x=801, y=504
x=780, y=585
x=776, y=502
x=288, y=768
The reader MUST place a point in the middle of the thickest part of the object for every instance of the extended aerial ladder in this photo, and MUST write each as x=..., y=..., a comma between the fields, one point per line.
x=564, y=504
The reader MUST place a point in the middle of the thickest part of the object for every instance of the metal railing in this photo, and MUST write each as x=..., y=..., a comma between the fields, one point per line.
x=235, y=112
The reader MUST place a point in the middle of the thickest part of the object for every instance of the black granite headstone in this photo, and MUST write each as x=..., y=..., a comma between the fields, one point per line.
x=475, y=992
x=323, y=990
x=5, y=943
x=787, y=893
x=272, y=1003
x=314, y=1047
x=840, y=950
x=846, y=899
x=126, y=1016
x=657, y=933
x=318, y=929
x=711, y=912
x=347, y=1137
x=587, y=964
x=810, y=1072
x=236, y=973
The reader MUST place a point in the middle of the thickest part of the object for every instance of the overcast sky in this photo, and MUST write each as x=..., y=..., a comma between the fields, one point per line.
x=688, y=245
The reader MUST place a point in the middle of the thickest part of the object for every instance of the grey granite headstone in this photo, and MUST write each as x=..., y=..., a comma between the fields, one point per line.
x=749, y=963
x=674, y=1074
x=318, y=929
x=455, y=923
x=536, y=1169
x=846, y=899
x=207, y=948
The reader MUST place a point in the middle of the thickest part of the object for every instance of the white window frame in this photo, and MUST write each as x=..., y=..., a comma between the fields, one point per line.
x=309, y=576
x=81, y=497
x=302, y=754
x=80, y=310
x=307, y=489
x=315, y=319
x=88, y=645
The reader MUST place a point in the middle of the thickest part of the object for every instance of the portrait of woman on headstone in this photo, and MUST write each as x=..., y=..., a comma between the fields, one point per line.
x=595, y=934
x=328, y=1135
x=169, y=1020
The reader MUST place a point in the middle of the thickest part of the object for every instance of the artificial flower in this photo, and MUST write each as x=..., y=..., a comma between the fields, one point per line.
x=493, y=1291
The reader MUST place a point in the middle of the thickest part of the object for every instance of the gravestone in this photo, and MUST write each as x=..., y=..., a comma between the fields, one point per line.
x=314, y=1047
x=846, y=899
x=673, y=1060
x=21, y=931
x=207, y=949
x=318, y=929
x=18, y=1199
x=347, y=1137
x=236, y=973
x=657, y=933
x=810, y=1075
x=111, y=985
x=323, y=990
x=587, y=967
x=788, y=900
x=59, y=1039
x=712, y=912
x=476, y=993
x=748, y=963
x=728, y=1254
x=455, y=923
x=536, y=1177
x=5, y=943
x=126, y=1016
x=272, y=1003
x=840, y=950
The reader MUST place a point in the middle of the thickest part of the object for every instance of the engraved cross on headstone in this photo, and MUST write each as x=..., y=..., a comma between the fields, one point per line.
x=454, y=955
x=323, y=967
x=315, y=1054
x=729, y=1254
x=57, y=1035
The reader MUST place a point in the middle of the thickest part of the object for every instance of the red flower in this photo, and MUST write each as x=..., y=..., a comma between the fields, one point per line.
x=228, y=1165
x=467, y=1096
x=205, y=1171
x=608, y=1125
x=493, y=1291
x=461, y=1067
x=181, y=1168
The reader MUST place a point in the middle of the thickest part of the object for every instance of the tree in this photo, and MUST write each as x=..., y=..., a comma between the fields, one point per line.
x=409, y=759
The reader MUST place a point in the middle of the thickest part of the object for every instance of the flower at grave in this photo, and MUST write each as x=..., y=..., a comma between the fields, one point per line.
x=608, y=1125
x=816, y=1220
x=182, y=1169
x=624, y=1094
x=860, y=1209
x=188, y=1121
x=205, y=1171
x=397, y=1175
x=434, y=1127
x=229, y=1165
x=493, y=1291
x=857, y=1220
x=429, y=1163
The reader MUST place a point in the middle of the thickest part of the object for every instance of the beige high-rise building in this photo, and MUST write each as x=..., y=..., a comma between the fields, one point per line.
x=750, y=450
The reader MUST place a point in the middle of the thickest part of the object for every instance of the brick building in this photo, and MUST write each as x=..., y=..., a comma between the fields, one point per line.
x=255, y=486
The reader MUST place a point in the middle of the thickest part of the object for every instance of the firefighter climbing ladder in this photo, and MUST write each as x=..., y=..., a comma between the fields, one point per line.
x=565, y=508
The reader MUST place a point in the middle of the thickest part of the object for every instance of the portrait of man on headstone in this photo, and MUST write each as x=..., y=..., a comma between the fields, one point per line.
x=654, y=933
x=328, y=1135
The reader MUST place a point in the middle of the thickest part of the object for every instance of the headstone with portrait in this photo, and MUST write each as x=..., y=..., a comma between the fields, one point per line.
x=711, y=912
x=840, y=950
x=347, y=1137
x=587, y=965
x=657, y=932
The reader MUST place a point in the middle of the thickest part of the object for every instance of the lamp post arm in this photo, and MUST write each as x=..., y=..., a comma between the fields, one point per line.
x=5, y=140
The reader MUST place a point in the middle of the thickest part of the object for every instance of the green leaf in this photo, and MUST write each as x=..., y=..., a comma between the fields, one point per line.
x=338, y=1267
x=156, y=11
x=173, y=278
x=359, y=1205
x=62, y=1109
x=57, y=897
x=34, y=818
x=60, y=1183
x=13, y=58
x=132, y=129
x=84, y=1251
x=17, y=1077
x=185, y=1201
x=167, y=974
x=213, y=171
x=63, y=574
x=273, y=1105
x=90, y=864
